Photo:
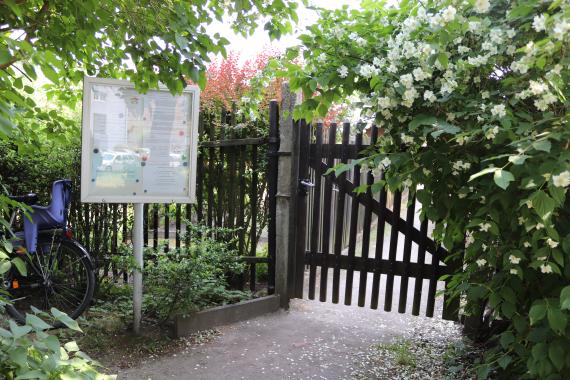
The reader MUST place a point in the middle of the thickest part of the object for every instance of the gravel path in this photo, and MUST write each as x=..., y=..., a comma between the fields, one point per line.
x=312, y=340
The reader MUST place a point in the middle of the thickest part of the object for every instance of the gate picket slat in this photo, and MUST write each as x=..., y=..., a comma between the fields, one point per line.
x=219, y=186
x=199, y=174
x=178, y=224
x=188, y=222
x=166, y=227
x=211, y=181
x=316, y=209
x=433, y=283
x=301, y=207
x=327, y=215
x=231, y=172
x=145, y=225
x=340, y=215
x=353, y=228
x=407, y=252
x=366, y=228
x=253, y=203
x=155, y=225
x=241, y=212
x=421, y=261
x=125, y=237
x=379, y=251
x=392, y=254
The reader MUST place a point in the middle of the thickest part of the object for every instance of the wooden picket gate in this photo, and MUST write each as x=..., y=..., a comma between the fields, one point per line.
x=327, y=204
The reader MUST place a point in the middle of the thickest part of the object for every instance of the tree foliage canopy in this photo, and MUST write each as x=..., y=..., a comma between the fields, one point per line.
x=146, y=41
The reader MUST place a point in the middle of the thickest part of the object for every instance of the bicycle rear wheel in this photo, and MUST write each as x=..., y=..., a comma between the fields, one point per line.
x=60, y=275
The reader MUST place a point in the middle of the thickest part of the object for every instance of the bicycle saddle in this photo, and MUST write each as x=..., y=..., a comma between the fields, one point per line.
x=29, y=199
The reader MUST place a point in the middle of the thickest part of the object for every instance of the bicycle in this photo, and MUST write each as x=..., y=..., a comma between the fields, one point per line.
x=60, y=271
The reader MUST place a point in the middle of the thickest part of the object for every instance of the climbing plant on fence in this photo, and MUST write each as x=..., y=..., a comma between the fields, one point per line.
x=473, y=98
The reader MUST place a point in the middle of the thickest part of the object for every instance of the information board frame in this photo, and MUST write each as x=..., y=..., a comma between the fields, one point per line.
x=87, y=150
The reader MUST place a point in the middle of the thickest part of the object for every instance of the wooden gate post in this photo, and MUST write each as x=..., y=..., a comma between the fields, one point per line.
x=285, y=199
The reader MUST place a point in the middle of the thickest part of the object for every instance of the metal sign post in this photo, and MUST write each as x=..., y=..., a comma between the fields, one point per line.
x=137, y=275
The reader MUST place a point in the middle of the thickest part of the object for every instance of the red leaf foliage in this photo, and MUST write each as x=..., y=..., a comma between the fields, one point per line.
x=228, y=80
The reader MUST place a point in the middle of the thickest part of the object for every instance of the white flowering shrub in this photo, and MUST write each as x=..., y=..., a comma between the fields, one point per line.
x=473, y=98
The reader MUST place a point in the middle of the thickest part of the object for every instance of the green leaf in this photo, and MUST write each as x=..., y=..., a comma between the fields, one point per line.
x=558, y=257
x=313, y=85
x=537, y=313
x=36, y=322
x=556, y=353
x=543, y=204
x=71, y=346
x=52, y=343
x=18, y=331
x=35, y=374
x=20, y=265
x=519, y=11
x=5, y=267
x=65, y=319
x=542, y=145
x=507, y=338
x=518, y=159
x=8, y=246
x=557, y=320
x=504, y=361
x=5, y=56
x=482, y=173
x=50, y=73
x=483, y=372
x=565, y=298
x=182, y=42
x=443, y=60
x=503, y=178
x=558, y=194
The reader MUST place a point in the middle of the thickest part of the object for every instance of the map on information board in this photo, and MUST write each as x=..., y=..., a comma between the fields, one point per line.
x=138, y=148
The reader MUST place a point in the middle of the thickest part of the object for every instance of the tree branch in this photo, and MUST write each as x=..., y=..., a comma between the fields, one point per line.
x=29, y=31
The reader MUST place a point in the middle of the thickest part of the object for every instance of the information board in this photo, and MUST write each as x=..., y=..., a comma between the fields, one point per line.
x=138, y=148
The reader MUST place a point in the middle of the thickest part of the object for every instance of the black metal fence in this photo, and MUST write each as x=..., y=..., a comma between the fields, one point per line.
x=236, y=169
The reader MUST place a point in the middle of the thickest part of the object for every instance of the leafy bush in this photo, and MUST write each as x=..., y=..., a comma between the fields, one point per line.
x=473, y=97
x=191, y=278
x=30, y=352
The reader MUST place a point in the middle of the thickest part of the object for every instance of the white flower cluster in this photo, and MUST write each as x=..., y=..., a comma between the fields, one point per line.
x=482, y=6
x=551, y=243
x=484, y=227
x=407, y=139
x=367, y=70
x=541, y=91
x=491, y=131
x=459, y=166
x=481, y=262
x=562, y=179
x=499, y=111
x=546, y=268
x=357, y=39
x=514, y=259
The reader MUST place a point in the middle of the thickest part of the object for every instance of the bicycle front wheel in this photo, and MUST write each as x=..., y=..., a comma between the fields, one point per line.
x=60, y=275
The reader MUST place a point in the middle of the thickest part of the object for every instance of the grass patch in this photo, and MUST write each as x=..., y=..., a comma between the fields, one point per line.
x=402, y=350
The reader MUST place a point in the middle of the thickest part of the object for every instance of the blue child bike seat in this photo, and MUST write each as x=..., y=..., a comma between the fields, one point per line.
x=49, y=217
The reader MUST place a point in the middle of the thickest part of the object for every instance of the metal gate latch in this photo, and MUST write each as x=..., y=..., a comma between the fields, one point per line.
x=305, y=185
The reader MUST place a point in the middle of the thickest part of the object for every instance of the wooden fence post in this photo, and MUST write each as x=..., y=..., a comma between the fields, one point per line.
x=285, y=199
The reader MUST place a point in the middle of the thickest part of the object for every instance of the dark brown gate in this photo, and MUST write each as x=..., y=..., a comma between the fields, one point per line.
x=378, y=236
